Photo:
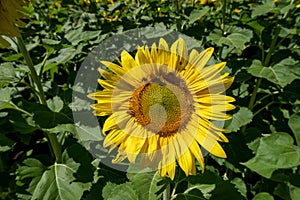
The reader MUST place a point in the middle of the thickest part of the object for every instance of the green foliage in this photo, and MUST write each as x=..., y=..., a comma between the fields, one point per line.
x=54, y=182
x=273, y=152
x=259, y=40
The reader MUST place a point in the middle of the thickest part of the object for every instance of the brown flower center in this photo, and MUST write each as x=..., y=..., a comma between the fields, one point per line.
x=162, y=105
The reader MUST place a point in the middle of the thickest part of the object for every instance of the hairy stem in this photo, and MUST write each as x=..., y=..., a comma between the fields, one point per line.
x=266, y=63
x=167, y=193
x=41, y=95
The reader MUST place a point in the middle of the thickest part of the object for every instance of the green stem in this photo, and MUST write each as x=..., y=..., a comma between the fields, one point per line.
x=41, y=95
x=261, y=109
x=167, y=193
x=266, y=63
x=34, y=75
x=253, y=97
x=272, y=47
x=223, y=16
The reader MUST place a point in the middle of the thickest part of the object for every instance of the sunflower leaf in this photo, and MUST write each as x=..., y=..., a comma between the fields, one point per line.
x=113, y=191
x=145, y=181
x=228, y=188
x=239, y=119
x=55, y=104
x=263, y=196
x=56, y=182
x=294, y=124
x=197, y=14
x=294, y=192
x=274, y=152
x=263, y=9
x=283, y=73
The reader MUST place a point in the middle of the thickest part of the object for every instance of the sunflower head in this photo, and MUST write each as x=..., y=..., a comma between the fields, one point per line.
x=11, y=12
x=161, y=104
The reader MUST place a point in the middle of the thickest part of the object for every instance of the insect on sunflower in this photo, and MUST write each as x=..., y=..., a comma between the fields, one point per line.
x=161, y=105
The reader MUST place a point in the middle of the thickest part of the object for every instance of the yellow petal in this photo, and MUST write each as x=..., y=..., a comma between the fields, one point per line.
x=202, y=59
x=114, y=68
x=127, y=61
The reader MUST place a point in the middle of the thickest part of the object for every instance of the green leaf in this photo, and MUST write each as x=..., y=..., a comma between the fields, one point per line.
x=204, y=191
x=282, y=190
x=55, y=104
x=294, y=124
x=119, y=192
x=145, y=183
x=237, y=39
x=227, y=188
x=239, y=119
x=274, y=152
x=282, y=73
x=197, y=14
x=46, y=118
x=240, y=186
x=7, y=73
x=263, y=196
x=263, y=9
x=215, y=36
x=294, y=192
x=258, y=29
x=5, y=99
x=76, y=36
x=56, y=182
x=81, y=132
x=194, y=194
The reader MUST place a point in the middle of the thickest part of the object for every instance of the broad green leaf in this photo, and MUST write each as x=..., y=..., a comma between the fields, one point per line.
x=258, y=29
x=263, y=196
x=64, y=55
x=276, y=151
x=240, y=186
x=193, y=194
x=204, y=191
x=22, y=124
x=81, y=132
x=263, y=9
x=215, y=36
x=5, y=98
x=237, y=39
x=119, y=192
x=46, y=118
x=57, y=182
x=197, y=14
x=227, y=188
x=282, y=73
x=294, y=124
x=55, y=104
x=239, y=119
x=145, y=183
x=7, y=73
x=294, y=192
x=76, y=36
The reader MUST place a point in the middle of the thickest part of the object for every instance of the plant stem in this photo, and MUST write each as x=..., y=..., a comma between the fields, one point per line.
x=266, y=63
x=41, y=95
x=34, y=75
x=261, y=109
x=167, y=193
x=223, y=16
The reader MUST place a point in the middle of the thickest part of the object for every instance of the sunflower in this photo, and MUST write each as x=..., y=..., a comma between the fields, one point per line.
x=162, y=104
x=10, y=14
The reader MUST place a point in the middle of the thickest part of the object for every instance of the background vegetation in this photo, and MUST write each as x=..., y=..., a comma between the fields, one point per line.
x=258, y=39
